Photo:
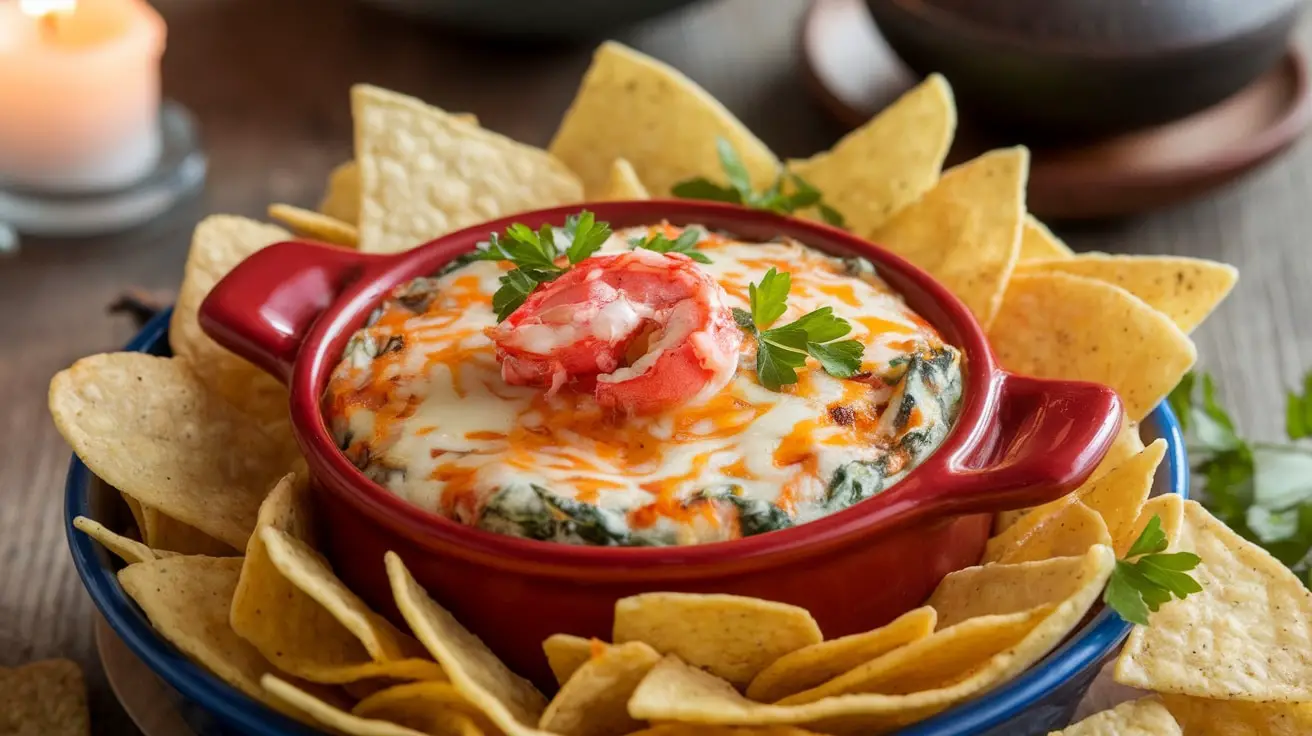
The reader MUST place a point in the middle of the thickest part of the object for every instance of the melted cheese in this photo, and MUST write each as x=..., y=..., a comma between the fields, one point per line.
x=438, y=412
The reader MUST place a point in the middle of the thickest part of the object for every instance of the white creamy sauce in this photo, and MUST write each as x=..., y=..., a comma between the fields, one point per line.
x=467, y=432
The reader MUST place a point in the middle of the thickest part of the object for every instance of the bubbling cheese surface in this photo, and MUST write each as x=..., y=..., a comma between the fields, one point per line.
x=418, y=402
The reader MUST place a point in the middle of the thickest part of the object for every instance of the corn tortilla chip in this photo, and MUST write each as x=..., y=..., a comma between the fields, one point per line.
x=149, y=426
x=675, y=691
x=1072, y=531
x=966, y=230
x=128, y=550
x=289, y=626
x=315, y=225
x=1184, y=289
x=508, y=700
x=416, y=704
x=1167, y=507
x=289, y=696
x=1037, y=243
x=163, y=532
x=425, y=172
x=187, y=601
x=888, y=163
x=566, y=653
x=1004, y=589
x=1246, y=636
x=594, y=701
x=1237, y=718
x=218, y=244
x=312, y=575
x=811, y=666
x=138, y=514
x=1142, y=717
x=341, y=199
x=47, y=698
x=730, y=636
x=669, y=129
x=1055, y=325
x=694, y=729
x=623, y=184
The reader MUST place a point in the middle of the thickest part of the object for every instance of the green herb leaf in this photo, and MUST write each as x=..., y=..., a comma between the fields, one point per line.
x=769, y=297
x=686, y=244
x=774, y=199
x=586, y=236
x=516, y=285
x=1148, y=579
x=822, y=325
x=1298, y=411
x=779, y=353
x=839, y=359
x=744, y=320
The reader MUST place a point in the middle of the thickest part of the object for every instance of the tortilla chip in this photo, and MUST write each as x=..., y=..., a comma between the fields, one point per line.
x=1055, y=325
x=314, y=225
x=306, y=569
x=149, y=426
x=695, y=729
x=566, y=653
x=594, y=701
x=966, y=230
x=1142, y=717
x=888, y=163
x=1118, y=496
x=1037, y=243
x=811, y=666
x=730, y=636
x=341, y=199
x=163, y=532
x=675, y=691
x=1246, y=636
x=417, y=704
x=1237, y=718
x=624, y=183
x=634, y=107
x=1184, y=289
x=128, y=550
x=45, y=698
x=1004, y=589
x=1126, y=445
x=138, y=514
x=290, y=627
x=187, y=601
x=218, y=244
x=425, y=172
x=288, y=696
x=508, y=700
x=1167, y=507
x=1067, y=533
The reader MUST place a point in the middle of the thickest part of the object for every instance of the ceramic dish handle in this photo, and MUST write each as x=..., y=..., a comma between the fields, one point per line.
x=1048, y=439
x=264, y=307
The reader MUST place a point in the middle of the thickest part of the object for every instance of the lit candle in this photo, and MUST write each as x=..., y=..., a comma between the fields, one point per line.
x=79, y=92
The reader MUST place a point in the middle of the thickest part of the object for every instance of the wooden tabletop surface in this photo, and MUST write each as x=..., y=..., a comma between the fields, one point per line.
x=268, y=80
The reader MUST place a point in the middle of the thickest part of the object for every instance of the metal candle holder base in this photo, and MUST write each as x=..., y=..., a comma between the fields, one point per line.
x=179, y=172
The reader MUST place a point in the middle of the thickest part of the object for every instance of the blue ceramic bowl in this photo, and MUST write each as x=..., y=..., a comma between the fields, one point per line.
x=1042, y=699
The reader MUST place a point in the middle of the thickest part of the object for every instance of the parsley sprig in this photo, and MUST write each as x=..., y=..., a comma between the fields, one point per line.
x=1262, y=490
x=780, y=351
x=1147, y=578
x=535, y=254
x=802, y=195
x=686, y=244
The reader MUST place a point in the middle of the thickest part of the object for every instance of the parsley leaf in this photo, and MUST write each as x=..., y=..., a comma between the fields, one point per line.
x=686, y=244
x=774, y=199
x=1143, y=585
x=535, y=254
x=1262, y=490
x=780, y=351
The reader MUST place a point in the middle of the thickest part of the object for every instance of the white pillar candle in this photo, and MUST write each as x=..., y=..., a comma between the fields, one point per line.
x=79, y=92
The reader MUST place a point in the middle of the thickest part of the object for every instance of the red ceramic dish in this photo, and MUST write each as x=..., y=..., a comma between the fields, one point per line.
x=1017, y=441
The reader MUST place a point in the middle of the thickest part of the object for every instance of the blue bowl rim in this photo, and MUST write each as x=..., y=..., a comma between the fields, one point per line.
x=1089, y=646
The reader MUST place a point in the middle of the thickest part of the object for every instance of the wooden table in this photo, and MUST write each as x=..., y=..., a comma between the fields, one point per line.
x=268, y=80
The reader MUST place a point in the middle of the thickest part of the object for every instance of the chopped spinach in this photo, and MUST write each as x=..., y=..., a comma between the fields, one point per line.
x=754, y=515
x=536, y=513
x=854, y=482
x=592, y=524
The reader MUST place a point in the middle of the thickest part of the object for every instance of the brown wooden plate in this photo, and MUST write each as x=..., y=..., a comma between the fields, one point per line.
x=854, y=74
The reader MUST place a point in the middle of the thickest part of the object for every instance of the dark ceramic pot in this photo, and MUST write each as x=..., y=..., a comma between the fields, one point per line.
x=568, y=20
x=1063, y=70
x=1017, y=441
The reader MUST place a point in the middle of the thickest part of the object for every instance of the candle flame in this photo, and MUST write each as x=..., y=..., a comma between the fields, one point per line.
x=43, y=8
